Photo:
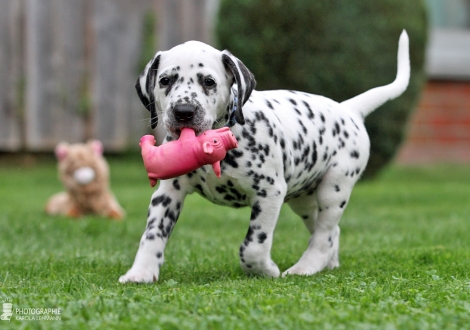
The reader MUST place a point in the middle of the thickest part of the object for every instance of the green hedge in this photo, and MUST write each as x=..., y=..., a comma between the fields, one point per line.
x=335, y=48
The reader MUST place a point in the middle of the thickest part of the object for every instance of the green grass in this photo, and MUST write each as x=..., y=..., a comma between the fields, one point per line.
x=405, y=259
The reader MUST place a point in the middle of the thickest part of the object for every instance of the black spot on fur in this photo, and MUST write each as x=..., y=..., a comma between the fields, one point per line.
x=230, y=158
x=249, y=236
x=249, y=137
x=342, y=204
x=151, y=222
x=352, y=120
x=170, y=215
x=310, y=114
x=255, y=211
x=176, y=184
x=336, y=129
x=199, y=189
x=304, y=129
x=262, y=237
x=270, y=106
x=314, y=153
x=262, y=193
x=354, y=154
x=162, y=199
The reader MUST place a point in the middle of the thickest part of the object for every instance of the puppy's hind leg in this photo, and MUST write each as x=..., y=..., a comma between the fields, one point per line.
x=322, y=219
x=306, y=207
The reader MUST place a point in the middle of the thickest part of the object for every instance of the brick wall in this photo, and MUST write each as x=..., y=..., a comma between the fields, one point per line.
x=439, y=129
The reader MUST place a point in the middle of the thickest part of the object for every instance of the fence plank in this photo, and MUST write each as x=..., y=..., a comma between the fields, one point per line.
x=117, y=29
x=183, y=20
x=54, y=73
x=10, y=75
x=73, y=74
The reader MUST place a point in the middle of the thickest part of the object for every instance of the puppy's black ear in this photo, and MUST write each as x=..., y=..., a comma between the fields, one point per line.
x=145, y=87
x=244, y=79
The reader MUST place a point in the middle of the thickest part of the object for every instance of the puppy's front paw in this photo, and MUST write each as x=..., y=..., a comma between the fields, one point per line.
x=267, y=269
x=304, y=268
x=139, y=276
x=299, y=270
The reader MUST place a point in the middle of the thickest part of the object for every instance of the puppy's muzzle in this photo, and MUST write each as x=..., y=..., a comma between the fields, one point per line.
x=184, y=113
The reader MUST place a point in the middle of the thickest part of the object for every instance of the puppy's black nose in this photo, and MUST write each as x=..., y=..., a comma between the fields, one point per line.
x=184, y=112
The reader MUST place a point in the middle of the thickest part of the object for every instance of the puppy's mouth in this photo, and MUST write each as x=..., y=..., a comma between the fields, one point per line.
x=176, y=132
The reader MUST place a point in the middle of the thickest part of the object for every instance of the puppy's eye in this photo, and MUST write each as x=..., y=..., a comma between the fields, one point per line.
x=209, y=82
x=165, y=81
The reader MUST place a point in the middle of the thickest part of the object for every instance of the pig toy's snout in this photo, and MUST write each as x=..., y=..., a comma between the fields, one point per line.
x=230, y=141
x=234, y=141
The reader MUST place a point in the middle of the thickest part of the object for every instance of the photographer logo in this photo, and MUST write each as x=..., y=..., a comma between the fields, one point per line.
x=29, y=314
x=7, y=311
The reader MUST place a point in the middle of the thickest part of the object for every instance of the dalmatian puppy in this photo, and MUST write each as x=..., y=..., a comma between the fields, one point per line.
x=302, y=149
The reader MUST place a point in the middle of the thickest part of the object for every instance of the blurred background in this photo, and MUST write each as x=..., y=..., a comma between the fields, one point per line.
x=68, y=67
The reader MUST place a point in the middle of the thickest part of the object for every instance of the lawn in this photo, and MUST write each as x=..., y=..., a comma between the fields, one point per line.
x=405, y=259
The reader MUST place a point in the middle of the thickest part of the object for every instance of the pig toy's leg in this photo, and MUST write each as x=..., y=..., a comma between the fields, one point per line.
x=164, y=210
x=217, y=170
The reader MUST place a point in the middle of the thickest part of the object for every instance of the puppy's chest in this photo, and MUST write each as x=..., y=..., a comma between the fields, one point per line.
x=226, y=190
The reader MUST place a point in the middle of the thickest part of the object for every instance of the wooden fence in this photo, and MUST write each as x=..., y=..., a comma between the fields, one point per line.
x=68, y=67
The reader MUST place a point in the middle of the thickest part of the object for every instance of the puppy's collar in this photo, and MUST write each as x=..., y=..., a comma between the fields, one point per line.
x=231, y=120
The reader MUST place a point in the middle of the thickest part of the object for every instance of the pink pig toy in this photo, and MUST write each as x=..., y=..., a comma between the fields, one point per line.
x=186, y=154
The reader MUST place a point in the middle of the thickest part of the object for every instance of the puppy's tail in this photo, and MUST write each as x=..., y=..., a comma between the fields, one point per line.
x=367, y=102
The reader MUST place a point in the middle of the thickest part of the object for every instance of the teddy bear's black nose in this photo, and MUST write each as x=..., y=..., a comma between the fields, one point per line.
x=184, y=112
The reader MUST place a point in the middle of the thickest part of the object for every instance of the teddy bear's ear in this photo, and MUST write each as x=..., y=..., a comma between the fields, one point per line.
x=97, y=146
x=61, y=151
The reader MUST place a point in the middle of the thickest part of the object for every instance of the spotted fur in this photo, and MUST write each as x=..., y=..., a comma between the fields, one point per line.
x=294, y=147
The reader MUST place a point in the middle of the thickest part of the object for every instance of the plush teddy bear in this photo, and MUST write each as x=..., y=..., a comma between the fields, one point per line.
x=85, y=175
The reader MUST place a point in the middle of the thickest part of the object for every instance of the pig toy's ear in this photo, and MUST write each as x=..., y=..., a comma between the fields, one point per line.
x=145, y=87
x=61, y=150
x=244, y=79
x=208, y=148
